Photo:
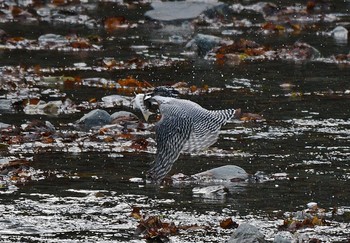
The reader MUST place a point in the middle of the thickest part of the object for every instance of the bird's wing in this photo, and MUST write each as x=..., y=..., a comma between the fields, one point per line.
x=206, y=127
x=172, y=132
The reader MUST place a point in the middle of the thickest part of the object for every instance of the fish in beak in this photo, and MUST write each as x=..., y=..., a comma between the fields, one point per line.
x=139, y=103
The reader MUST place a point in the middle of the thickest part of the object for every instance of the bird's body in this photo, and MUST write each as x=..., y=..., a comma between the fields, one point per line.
x=184, y=127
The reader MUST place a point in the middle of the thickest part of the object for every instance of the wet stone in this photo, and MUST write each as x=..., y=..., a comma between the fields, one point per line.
x=49, y=39
x=95, y=118
x=340, y=34
x=204, y=43
x=116, y=100
x=4, y=125
x=210, y=192
x=283, y=237
x=226, y=172
x=179, y=10
x=124, y=117
x=247, y=233
x=5, y=105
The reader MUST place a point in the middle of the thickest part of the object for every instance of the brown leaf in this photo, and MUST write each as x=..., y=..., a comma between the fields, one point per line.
x=228, y=224
x=108, y=139
x=130, y=82
x=47, y=140
x=136, y=213
x=193, y=88
x=82, y=44
x=92, y=100
x=15, y=11
x=251, y=117
x=114, y=23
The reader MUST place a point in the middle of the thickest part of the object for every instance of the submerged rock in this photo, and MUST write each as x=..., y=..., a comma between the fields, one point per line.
x=300, y=51
x=283, y=237
x=43, y=108
x=52, y=39
x=116, y=100
x=210, y=192
x=179, y=10
x=226, y=172
x=39, y=126
x=95, y=118
x=246, y=233
x=204, y=43
x=4, y=125
x=5, y=105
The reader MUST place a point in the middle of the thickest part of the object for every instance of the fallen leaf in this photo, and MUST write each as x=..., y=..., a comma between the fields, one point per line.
x=80, y=44
x=114, y=23
x=108, y=139
x=47, y=140
x=136, y=213
x=251, y=117
x=92, y=100
x=130, y=82
x=228, y=224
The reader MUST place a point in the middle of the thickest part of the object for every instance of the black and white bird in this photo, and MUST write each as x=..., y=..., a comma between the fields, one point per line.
x=184, y=126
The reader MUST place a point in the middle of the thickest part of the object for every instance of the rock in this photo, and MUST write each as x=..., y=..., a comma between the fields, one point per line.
x=4, y=125
x=340, y=34
x=226, y=172
x=52, y=39
x=283, y=237
x=210, y=192
x=123, y=114
x=5, y=105
x=124, y=118
x=43, y=108
x=95, y=118
x=179, y=10
x=204, y=43
x=246, y=233
x=116, y=100
x=39, y=126
x=299, y=52
x=312, y=205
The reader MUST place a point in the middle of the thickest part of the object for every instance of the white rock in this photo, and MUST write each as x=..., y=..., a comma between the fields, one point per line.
x=340, y=33
x=179, y=10
x=226, y=172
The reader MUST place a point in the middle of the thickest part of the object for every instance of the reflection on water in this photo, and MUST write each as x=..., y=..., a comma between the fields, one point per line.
x=81, y=191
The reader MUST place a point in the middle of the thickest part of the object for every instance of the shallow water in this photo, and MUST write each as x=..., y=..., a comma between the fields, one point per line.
x=85, y=196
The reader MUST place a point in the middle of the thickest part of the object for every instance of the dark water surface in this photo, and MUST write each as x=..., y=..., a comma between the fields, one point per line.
x=87, y=196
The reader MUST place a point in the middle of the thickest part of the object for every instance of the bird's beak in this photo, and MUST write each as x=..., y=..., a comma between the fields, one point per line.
x=138, y=103
x=146, y=114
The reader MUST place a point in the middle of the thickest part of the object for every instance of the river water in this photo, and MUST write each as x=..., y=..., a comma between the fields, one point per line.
x=301, y=147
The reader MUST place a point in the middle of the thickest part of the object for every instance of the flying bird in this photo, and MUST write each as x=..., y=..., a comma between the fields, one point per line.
x=184, y=126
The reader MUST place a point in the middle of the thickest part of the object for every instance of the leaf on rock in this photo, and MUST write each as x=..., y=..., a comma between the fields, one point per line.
x=136, y=214
x=228, y=224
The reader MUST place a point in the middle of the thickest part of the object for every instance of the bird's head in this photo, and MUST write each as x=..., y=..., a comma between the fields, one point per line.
x=141, y=102
x=148, y=104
